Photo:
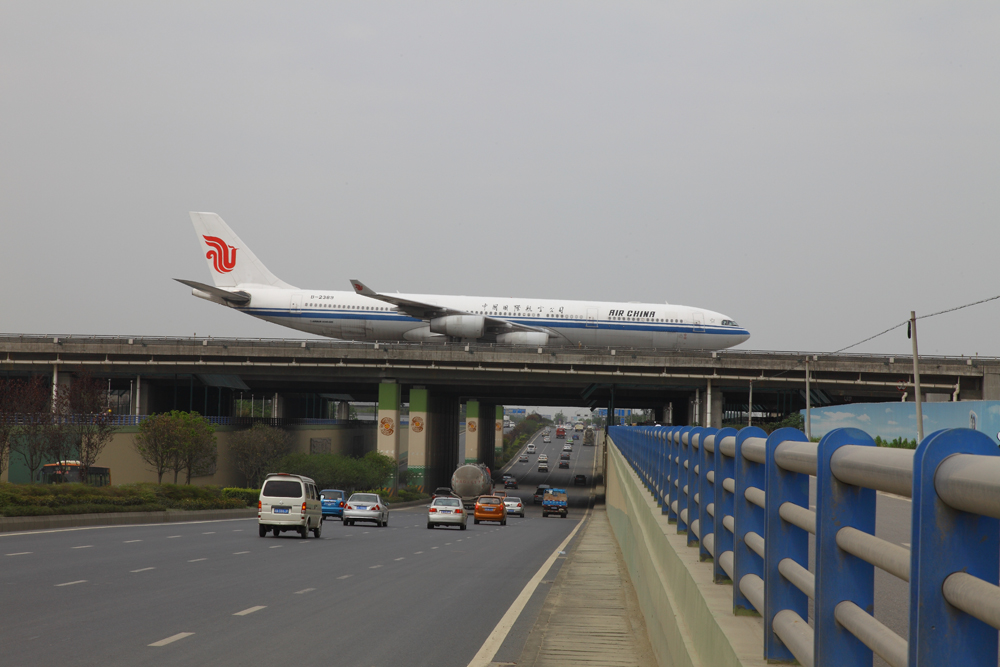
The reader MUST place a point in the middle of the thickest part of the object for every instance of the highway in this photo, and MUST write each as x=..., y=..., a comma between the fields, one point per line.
x=216, y=593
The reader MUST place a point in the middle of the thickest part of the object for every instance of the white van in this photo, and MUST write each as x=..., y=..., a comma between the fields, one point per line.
x=531, y=449
x=289, y=502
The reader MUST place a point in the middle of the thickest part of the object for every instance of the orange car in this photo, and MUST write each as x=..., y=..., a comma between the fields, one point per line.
x=490, y=508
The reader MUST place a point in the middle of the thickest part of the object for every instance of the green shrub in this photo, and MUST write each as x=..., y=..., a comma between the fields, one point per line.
x=898, y=443
x=249, y=496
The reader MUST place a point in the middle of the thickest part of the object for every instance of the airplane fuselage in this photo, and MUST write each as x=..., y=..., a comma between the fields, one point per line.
x=350, y=316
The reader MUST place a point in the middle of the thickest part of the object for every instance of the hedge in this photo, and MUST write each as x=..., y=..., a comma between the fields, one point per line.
x=47, y=499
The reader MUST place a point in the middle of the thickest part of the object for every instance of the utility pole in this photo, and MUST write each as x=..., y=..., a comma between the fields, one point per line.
x=809, y=434
x=750, y=406
x=916, y=378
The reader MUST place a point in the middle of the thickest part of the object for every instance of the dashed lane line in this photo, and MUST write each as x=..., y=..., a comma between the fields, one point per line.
x=346, y=576
x=401, y=558
x=170, y=537
x=237, y=553
x=417, y=553
x=142, y=569
x=209, y=533
x=374, y=567
x=130, y=541
x=433, y=547
x=21, y=553
x=71, y=583
x=304, y=590
x=85, y=546
x=251, y=610
x=172, y=639
x=196, y=560
x=276, y=546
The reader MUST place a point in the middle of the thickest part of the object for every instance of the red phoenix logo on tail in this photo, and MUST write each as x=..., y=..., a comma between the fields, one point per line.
x=223, y=260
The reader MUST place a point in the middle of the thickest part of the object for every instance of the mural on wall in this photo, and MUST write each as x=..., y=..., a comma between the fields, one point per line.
x=899, y=420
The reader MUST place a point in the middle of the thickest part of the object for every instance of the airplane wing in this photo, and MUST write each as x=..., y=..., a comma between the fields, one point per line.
x=236, y=298
x=428, y=311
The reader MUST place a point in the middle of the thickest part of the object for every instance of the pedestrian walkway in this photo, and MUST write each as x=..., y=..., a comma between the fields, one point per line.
x=590, y=616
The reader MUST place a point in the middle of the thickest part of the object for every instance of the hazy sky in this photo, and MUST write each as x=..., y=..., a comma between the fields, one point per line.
x=813, y=171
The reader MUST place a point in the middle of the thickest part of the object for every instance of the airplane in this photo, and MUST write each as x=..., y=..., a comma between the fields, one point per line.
x=243, y=283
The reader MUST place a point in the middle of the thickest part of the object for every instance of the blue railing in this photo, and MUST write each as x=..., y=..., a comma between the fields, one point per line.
x=742, y=498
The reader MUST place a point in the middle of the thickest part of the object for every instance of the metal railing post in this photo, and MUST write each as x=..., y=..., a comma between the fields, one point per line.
x=691, y=483
x=661, y=446
x=684, y=450
x=724, y=469
x=783, y=540
x=747, y=518
x=673, y=451
x=946, y=540
x=706, y=492
x=839, y=575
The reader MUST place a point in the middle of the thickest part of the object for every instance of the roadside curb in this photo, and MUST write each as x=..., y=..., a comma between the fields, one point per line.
x=19, y=523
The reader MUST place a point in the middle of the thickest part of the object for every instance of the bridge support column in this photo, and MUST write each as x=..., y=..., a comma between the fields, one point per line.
x=441, y=454
x=419, y=430
x=387, y=440
x=498, y=433
x=473, y=431
x=343, y=411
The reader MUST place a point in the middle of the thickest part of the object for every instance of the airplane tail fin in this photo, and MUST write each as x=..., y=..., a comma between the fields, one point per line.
x=230, y=261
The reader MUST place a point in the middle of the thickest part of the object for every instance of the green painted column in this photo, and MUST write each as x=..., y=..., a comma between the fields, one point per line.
x=498, y=444
x=419, y=430
x=473, y=432
x=388, y=421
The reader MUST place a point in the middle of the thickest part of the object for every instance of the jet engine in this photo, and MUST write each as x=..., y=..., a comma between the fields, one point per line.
x=460, y=326
x=533, y=338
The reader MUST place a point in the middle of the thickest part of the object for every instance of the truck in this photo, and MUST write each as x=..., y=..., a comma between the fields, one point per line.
x=471, y=481
x=578, y=426
x=589, y=440
x=554, y=502
x=560, y=432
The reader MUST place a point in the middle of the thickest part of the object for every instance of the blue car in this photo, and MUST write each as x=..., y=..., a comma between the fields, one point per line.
x=333, y=503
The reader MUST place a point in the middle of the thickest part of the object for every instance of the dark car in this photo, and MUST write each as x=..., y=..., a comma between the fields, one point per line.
x=564, y=456
x=564, y=464
x=580, y=480
x=510, y=483
x=540, y=492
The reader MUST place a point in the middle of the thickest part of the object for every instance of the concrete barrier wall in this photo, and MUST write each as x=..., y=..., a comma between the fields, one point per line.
x=689, y=618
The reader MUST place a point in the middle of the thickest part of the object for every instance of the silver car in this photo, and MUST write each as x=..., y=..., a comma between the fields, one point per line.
x=514, y=506
x=447, y=511
x=366, y=507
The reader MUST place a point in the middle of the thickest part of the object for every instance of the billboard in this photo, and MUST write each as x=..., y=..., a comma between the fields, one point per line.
x=899, y=420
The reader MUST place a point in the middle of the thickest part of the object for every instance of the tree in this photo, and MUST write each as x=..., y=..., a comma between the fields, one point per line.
x=560, y=417
x=90, y=426
x=155, y=443
x=8, y=419
x=31, y=404
x=256, y=449
x=196, y=451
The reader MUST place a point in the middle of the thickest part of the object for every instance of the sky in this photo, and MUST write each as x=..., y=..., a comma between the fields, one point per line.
x=813, y=170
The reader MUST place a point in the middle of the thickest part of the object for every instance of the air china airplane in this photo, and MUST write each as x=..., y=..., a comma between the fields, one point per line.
x=244, y=284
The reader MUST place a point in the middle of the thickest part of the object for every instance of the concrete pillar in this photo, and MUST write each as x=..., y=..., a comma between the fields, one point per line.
x=473, y=432
x=498, y=443
x=419, y=431
x=717, y=403
x=387, y=440
x=278, y=406
x=441, y=452
x=343, y=411
x=991, y=384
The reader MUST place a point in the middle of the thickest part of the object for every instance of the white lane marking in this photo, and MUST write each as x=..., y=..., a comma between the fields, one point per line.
x=238, y=530
x=170, y=537
x=133, y=525
x=143, y=569
x=70, y=583
x=433, y=547
x=417, y=552
x=209, y=533
x=365, y=533
x=346, y=576
x=130, y=541
x=447, y=544
x=304, y=590
x=401, y=558
x=172, y=639
x=489, y=648
x=276, y=546
x=85, y=546
x=197, y=560
x=374, y=567
x=250, y=610
x=21, y=553
x=237, y=553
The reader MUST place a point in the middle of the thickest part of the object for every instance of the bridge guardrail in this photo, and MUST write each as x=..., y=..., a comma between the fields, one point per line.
x=750, y=494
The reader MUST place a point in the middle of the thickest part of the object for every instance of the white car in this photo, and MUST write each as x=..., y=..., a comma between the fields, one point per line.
x=530, y=449
x=289, y=502
x=514, y=506
x=542, y=458
x=366, y=507
x=447, y=511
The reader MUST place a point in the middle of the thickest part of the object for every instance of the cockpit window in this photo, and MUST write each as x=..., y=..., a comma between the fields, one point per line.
x=729, y=323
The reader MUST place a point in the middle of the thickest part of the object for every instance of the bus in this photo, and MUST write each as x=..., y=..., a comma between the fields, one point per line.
x=72, y=471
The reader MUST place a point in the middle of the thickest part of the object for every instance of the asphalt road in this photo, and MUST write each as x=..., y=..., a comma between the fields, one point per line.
x=360, y=595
